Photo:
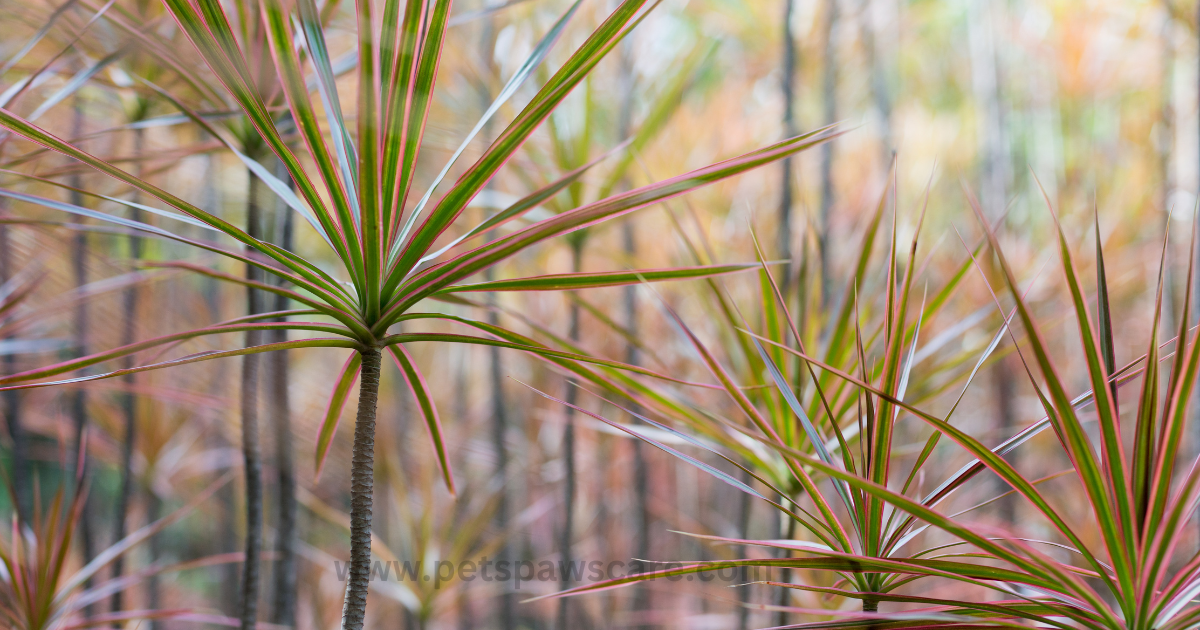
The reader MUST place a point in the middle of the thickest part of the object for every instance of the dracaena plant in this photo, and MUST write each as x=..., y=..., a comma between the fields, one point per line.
x=836, y=489
x=394, y=248
x=42, y=589
x=1126, y=567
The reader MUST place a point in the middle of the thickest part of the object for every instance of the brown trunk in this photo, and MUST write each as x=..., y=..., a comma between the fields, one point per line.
x=128, y=401
x=568, y=453
x=362, y=483
x=251, y=451
x=283, y=605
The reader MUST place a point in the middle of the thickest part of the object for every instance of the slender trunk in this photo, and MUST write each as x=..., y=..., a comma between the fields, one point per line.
x=829, y=111
x=870, y=605
x=78, y=404
x=78, y=398
x=500, y=445
x=128, y=400
x=508, y=621
x=789, y=129
x=12, y=402
x=362, y=482
x=568, y=454
x=251, y=452
x=641, y=470
x=283, y=605
x=785, y=206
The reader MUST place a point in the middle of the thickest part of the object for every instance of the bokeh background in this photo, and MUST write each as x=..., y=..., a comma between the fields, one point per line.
x=1075, y=108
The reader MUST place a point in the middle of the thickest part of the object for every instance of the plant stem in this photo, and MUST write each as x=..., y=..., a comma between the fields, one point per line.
x=500, y=444
x=251, y=451
x=568, y=450
x=362, y=483
x=128, y=401
x=283, y=606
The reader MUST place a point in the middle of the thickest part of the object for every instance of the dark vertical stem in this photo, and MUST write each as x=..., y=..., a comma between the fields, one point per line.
x=744, y=531
x=788, y=86
x=128, y=400
x=251, y=451
x=785, y=205
x=12, y=402
x=829, y=114
x=78, y=404
x=78, y=397
x=641, y=469
x=499, y=405
x=500, y=445
x=568, y=454
x=362, y=483
x=283, y=605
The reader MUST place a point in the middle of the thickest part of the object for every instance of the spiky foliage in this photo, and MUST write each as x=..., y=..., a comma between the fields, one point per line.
x=1126, y=568
x=42, y=589
x=393, y=253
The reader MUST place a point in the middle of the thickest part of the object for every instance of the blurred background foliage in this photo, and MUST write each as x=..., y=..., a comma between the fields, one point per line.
x=1092, y=101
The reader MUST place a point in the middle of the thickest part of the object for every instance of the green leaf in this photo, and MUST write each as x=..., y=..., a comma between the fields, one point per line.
x=428, y=282
x=570, y=281
x=510, y=88
x=333, y=411
x=601, y=41
x=420, y=392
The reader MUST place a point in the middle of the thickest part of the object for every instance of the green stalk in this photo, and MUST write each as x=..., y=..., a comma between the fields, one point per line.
x=362, y=483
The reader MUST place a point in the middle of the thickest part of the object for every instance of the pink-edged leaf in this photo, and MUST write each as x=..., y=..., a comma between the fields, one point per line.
x=420, y=391
x=333, y=411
